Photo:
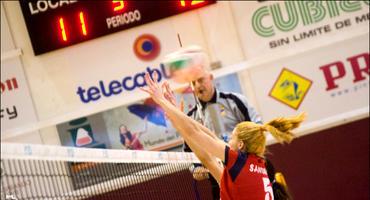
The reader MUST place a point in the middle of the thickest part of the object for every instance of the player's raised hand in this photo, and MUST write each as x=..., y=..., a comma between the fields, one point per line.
x=168, y=93
x=153, y=89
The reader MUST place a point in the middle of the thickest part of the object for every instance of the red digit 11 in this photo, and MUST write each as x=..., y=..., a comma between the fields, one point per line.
x=63, y=31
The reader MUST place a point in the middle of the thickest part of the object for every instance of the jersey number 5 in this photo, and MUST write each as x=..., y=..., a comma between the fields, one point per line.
x=268, y=189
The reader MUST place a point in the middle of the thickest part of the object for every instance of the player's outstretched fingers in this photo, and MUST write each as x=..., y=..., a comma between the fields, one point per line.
x=168, y=95
x=149, y=82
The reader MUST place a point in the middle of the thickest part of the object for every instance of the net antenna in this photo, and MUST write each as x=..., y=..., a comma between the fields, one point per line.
x=179, y=39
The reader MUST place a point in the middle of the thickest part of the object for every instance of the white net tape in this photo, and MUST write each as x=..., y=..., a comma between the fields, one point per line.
x=55, y=172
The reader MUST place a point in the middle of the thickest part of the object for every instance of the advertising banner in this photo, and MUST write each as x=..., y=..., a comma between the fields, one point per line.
x=16, y=103
x=267, y=27
x=323, y=82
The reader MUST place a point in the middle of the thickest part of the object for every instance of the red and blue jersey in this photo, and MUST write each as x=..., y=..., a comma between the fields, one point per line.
x=245, y=177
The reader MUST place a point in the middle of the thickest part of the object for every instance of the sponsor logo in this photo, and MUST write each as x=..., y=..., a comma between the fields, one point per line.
x=9, y=85
x=290, y=88
x=81, y=132
x=335, y=72
x=147, y=47
x=116, y=87
x=9, y=112
x=267, y=20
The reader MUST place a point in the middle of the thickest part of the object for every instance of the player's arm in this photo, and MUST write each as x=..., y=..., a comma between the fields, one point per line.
x=199, y=171
x=210, y=162
x=211, y=133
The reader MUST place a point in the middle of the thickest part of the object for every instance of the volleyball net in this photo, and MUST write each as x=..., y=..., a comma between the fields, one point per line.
x=55, y=172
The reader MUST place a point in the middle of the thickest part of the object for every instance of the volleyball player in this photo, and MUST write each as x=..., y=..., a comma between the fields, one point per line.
x=244, y=175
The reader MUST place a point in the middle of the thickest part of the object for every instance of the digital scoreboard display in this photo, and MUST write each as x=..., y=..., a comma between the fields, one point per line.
x=54, y=24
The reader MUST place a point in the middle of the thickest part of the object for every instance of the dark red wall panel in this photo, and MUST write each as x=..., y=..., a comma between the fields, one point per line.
x=330, y=164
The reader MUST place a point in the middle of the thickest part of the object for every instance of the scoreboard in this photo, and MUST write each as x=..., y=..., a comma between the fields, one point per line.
x=54, y=24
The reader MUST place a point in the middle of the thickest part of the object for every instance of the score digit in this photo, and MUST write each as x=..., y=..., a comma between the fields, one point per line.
x=62, y=30
x=83, y=26
x=196, y=2
x=183, y=3
x=118, y=5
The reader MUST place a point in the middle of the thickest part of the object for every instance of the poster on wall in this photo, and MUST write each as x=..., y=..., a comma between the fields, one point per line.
x=140, y=126
x=275, y=26
x=324, y=82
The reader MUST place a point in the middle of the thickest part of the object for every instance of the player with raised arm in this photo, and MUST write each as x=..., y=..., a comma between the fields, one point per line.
x=244, y=174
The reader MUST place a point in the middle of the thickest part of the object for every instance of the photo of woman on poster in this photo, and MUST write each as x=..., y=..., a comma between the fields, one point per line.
x=131, y=140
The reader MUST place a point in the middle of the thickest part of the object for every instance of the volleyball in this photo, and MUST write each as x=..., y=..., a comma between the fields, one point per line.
x=187, y=64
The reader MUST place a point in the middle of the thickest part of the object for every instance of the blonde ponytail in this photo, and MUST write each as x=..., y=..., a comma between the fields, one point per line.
x=280, y=128
x=253, y=135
